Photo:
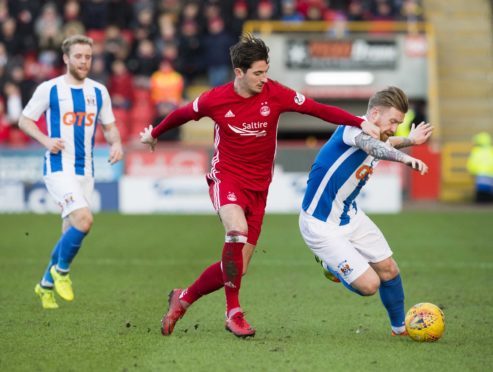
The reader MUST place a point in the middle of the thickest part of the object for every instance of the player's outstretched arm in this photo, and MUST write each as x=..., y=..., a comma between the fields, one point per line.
x=112, y=136
x=28, y=126
x=418, y=135
x=385, y=151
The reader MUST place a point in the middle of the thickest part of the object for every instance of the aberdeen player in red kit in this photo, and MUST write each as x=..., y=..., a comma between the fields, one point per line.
x=246, y=115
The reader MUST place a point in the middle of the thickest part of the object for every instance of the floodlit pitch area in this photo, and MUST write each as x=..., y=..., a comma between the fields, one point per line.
x=304, y=322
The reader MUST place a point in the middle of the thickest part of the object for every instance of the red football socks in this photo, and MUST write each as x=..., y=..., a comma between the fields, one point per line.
x=232, y=261
x=209, y=281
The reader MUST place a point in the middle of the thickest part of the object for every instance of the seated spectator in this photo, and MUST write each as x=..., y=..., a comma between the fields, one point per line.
x=9, y=37
x=216, y=52
x=120, y=85
x=289, y=12
x=190, y=61
x=240, y=15
x=48, y=28
x=167, y=85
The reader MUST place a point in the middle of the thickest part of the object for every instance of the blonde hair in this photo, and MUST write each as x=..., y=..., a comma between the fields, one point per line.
x=390, y=97
x=75, y=39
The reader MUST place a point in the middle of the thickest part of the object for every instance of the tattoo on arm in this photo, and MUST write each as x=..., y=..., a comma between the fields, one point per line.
x=404, y=142
x=378, y=149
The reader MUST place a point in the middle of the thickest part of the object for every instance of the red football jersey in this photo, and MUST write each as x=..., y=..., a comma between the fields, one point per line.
x=245, y=129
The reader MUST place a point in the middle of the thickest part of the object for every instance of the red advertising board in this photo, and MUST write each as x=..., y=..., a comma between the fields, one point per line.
x=166, y=163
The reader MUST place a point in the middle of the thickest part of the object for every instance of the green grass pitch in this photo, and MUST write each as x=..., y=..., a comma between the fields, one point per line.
x=128, y=264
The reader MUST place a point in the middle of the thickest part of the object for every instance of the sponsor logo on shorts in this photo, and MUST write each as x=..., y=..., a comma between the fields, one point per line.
x=344, y=268
x=231, y=196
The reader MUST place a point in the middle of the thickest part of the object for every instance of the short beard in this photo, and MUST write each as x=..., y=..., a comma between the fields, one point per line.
x=76, y=75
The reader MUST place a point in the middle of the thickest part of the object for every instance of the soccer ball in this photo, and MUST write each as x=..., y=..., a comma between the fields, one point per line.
x=425, y=322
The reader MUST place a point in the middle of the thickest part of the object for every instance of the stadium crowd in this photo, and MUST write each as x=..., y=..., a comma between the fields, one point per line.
x=147, y=52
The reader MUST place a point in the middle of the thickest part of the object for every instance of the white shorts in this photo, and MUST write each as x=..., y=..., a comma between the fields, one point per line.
x=70, y=191
x=346, y=249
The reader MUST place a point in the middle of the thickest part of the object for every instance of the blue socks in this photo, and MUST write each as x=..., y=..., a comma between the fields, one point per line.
x=47, y=280
x=392, y=296
x=63, y=253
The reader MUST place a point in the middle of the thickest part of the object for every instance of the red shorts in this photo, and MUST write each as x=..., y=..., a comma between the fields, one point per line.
x=252, y=202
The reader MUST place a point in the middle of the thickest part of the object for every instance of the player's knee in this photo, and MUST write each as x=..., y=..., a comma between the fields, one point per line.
x=369, y=287
x=236, y=236
x=369, y=290
x=84, y=221
x=389, y=272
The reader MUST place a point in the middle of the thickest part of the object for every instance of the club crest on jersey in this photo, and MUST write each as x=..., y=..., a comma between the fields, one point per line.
x=231, y=196
x=264, y=109
x=91, y=101
x=299, y=99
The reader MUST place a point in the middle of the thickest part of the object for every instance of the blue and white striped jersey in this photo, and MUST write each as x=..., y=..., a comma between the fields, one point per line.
x=72, y=113
x=339, y=172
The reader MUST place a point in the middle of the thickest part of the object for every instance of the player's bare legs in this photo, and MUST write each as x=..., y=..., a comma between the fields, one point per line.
x=248, y=250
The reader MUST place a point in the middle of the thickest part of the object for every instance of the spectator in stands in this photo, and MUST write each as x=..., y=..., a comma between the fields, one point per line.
x=265, y=11
x=13, y=105
x=167, y=85
x=121, y=86
x=9, y=37
x=4, y=60
x=145, y=22
x=312, y=10
x=190, y=52
x=124, y=16
x=356, y=11
x=216, y=52
x=25, y=84
x=145, y=61
x=115, y=46
x=167, y=32
x=95, y=14
x=25, y=12
x=289, y=12
x=71, y=11
x=382, y=10
x=411, y=11
x=240, y=15
x=480, y=165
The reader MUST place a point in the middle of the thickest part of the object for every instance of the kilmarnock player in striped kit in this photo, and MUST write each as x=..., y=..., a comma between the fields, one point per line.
x=73, y=105
x=348, y=244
